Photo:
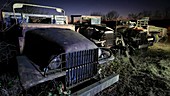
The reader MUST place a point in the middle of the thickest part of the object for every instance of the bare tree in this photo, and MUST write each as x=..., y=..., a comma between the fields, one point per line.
x=157, y=14
x=112, y=15
x=166, y=13
x=103, y=17
x=146, y=13
x=133, y=16
x=120, y=18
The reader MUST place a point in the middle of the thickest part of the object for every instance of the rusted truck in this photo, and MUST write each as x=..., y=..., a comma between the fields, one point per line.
x=159, y=33
x=92, y=28
x=50, y=50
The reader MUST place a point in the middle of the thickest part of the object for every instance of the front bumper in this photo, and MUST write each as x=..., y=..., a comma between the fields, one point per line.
x=97, y=87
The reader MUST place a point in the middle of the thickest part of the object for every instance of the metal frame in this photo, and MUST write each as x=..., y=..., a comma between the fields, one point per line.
x=20, y=5
x=83, y=17
x=26, y=17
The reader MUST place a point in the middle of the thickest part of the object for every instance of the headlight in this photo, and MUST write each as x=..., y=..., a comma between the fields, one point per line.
x=104, y=53
x=99, y=52
x=54, y=63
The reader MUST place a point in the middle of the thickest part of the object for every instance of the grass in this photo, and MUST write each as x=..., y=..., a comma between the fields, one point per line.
x=149, y=77
x=161, y=46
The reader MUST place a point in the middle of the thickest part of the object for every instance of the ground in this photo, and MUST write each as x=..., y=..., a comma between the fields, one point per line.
x=149, y=77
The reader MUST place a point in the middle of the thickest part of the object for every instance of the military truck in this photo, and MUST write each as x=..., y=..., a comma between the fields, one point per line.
x=48, y=49
x=159, y=33
x=92, y=28
x=136, y=34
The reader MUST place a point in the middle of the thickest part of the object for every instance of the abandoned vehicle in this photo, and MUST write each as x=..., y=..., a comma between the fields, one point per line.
x=50, y=50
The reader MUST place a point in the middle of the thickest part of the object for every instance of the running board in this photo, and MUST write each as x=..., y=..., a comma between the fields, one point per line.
x=97, y=87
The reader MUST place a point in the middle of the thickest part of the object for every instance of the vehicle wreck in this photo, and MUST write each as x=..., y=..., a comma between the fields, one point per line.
x=91, y=28
x=55, y=51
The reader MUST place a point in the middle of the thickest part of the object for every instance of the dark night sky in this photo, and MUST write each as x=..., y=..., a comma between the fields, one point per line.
x=85, y=7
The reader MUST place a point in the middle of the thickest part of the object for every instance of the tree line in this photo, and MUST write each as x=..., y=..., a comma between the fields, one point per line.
x=153, y=15
x=112, y=15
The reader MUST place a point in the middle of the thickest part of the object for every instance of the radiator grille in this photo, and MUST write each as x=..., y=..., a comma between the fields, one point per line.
x=80, y=66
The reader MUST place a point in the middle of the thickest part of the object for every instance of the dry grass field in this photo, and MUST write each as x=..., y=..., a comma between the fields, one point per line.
x=149, y=77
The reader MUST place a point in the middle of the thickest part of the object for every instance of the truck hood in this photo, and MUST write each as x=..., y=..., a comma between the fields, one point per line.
x=42, y=44
x=67, y=39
